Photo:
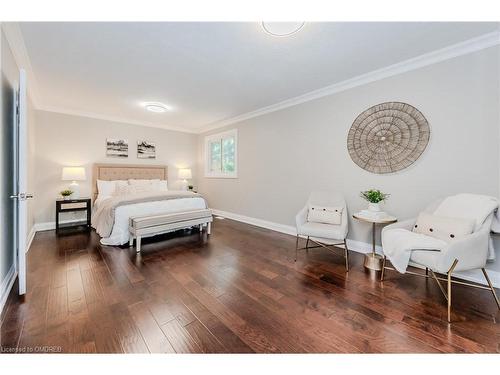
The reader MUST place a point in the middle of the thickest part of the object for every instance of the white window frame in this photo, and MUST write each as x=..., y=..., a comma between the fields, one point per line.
x=220, y=136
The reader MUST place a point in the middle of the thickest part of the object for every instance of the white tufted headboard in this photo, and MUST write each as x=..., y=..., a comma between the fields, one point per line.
x=110, y=172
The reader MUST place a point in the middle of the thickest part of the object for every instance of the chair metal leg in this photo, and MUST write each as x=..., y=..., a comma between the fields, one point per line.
x=382, y=271
x=491, y=287
x=296, y=247
x=449, y=298
x=346, y=256
x=439, y=284
x=307, y=244
x=426, y=271
x=449, y=288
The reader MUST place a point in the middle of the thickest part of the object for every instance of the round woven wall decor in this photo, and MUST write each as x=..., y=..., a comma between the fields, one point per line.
x=388, y=137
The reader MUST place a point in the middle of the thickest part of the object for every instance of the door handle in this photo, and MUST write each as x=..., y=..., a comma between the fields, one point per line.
x=22, y=196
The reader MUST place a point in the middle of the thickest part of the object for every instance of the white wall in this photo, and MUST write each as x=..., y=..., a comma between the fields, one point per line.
x=286, y=154
x=64, y=140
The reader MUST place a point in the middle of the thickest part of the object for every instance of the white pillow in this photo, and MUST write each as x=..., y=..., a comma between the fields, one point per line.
x=119, y=183
x=160, y=185
x=108, y=188
x=442, y=227
x=132, y=189
x=142, y=182
x=325, y=215
x=105, y=188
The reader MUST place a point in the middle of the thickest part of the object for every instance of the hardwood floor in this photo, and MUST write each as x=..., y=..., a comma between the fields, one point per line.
x=238, y=292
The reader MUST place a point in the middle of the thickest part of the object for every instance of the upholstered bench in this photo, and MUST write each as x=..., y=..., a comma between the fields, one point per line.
x=158, y=224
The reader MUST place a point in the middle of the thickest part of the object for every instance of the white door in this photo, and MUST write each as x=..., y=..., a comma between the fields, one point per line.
x=21, y=181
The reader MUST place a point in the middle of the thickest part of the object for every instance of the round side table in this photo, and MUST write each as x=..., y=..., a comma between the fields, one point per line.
x=373, y=261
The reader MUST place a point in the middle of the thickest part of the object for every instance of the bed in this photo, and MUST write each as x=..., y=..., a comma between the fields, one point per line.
x=111, y=212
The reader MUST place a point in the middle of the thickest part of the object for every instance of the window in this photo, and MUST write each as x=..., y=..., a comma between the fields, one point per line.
x=221, y=155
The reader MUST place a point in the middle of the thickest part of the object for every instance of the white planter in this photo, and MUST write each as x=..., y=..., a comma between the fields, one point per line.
x=375, y=207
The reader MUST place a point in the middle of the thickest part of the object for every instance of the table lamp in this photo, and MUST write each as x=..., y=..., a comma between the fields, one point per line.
x=184, y=175
x=74, y=174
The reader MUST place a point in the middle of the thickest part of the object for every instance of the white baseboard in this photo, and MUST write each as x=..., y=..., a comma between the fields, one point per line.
x=6, y=286
x=51, y=225
x=31, y=235
x=282, y=228
x=357, y=246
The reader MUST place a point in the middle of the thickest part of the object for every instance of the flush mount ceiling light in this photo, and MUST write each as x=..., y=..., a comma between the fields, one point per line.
x=282, y=28
x=156, y=107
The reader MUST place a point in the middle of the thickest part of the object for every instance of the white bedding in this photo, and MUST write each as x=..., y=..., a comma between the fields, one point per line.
x=120, y=232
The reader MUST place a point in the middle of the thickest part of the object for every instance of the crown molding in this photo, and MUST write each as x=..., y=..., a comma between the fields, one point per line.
x=463, y=48
x=15, y=39
x=122, y=120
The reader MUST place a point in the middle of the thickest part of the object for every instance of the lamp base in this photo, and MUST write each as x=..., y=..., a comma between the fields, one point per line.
x=76, y=190
x=184, y=185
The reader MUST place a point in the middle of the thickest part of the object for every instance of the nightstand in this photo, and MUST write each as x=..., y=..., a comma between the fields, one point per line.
x=73, y=205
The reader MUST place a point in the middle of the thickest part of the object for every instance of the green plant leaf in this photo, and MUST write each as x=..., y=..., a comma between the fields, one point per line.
x=374, y=196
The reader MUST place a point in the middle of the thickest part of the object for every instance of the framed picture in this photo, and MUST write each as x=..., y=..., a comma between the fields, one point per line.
x=146, y=150
x=117, y=148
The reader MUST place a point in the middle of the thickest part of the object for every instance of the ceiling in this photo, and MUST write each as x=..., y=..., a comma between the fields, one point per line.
x=212, y=72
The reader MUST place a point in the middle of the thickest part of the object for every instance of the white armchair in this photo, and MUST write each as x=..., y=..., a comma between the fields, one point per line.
x=323, y=235
x=468, y=253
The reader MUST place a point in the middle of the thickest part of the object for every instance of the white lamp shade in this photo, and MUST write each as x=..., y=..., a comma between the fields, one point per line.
x=73, y=174
x=185, y=173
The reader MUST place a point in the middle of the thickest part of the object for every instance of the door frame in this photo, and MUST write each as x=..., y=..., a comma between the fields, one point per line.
x=21, y=180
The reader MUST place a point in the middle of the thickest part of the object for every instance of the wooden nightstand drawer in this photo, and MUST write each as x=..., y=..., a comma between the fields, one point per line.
x=73, y=206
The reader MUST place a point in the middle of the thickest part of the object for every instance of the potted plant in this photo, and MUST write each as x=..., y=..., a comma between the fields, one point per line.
x=66, y=193
x=374, y=198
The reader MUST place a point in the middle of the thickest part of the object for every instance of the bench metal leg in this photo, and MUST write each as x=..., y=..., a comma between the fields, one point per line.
x=138, y=244
x=209, y=228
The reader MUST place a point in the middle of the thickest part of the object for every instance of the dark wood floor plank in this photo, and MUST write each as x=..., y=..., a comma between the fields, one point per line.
x=231, y=342
x=57, y=305
x=238, y=292
x=81, y=333
x=256, y=340
x=154, y=337
x=129, y=335
x=35, y=319
x=102, y=325
x=161, y=311
x=76, y=293
x=180, y=339
x=168, y=293
x=206, y=341
x=91, y=286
